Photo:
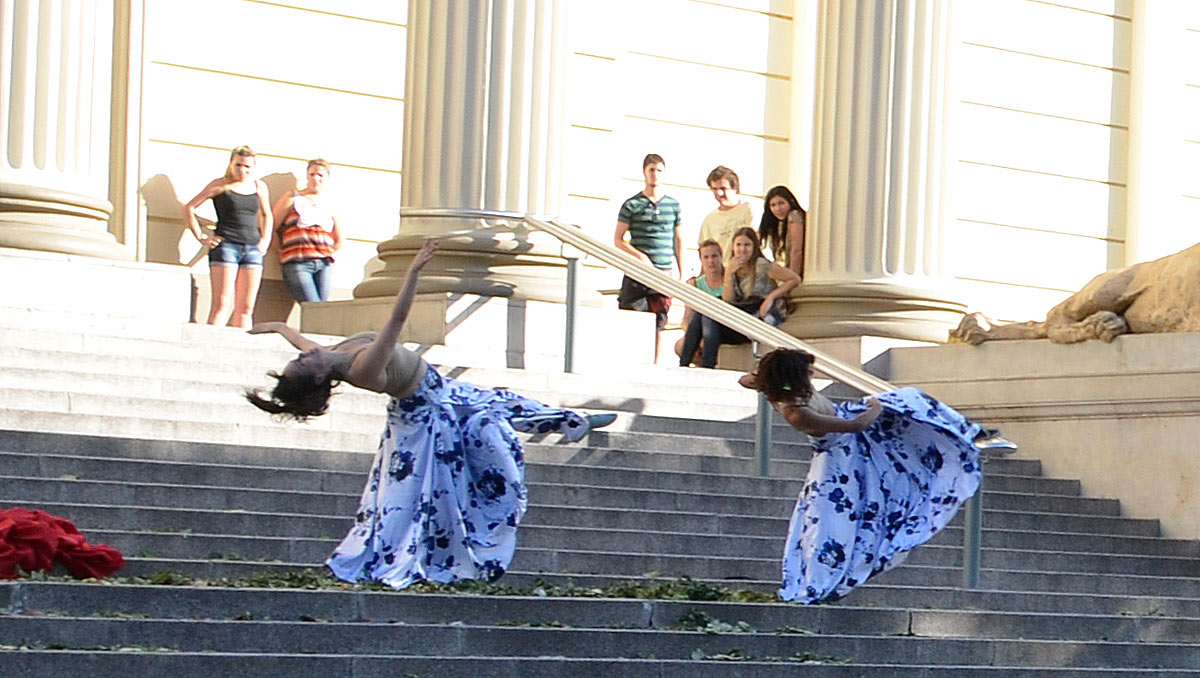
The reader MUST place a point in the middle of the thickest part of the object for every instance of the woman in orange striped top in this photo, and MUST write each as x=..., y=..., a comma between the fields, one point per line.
x=308, y=236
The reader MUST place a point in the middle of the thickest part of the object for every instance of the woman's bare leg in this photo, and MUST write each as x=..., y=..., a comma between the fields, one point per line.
x=248, y=279
x=221, y=279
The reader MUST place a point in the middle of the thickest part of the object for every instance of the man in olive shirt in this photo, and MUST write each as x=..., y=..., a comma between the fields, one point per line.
x=651, y=219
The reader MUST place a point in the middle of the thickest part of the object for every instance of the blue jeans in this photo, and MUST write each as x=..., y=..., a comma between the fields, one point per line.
x=308, y=279
x=708, y=334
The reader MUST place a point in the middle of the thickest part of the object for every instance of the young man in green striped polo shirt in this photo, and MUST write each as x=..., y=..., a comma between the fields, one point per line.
x=651, y=219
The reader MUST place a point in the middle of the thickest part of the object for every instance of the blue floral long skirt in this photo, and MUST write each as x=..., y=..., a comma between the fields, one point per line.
x=447, y=487
x=872, y=497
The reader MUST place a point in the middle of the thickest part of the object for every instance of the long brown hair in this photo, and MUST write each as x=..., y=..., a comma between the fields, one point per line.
x=746, y=284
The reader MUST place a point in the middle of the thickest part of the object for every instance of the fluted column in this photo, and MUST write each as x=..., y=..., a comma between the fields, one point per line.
x=55, y=94
x=483, y=126
x=879, y=191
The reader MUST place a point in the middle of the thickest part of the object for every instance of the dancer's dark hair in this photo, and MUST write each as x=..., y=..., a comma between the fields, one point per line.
x=771, y=231
x=784, y=375
x=298, y=396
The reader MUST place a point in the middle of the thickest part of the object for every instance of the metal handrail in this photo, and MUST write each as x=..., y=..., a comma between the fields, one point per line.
x=746, y=323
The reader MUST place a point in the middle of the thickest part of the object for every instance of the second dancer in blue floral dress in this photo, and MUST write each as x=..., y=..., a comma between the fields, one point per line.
x=887, y=474
x=447, y=487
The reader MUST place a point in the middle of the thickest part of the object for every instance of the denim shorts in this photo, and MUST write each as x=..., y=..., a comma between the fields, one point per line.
x=228, y=253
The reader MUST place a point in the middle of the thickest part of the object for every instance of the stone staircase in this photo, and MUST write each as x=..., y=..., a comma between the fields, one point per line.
x=650, y=549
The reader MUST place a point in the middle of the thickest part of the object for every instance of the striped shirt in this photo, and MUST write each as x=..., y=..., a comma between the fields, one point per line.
x=305, y=234
x=652, y=227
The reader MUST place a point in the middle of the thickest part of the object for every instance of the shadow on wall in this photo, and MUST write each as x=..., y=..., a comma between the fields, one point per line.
x=167, y=239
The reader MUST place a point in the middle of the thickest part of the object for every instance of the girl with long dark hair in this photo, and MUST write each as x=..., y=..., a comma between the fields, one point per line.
x=887, y=474
x=782, y=228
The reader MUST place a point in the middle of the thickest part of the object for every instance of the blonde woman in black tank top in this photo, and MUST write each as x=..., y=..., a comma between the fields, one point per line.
x=241, y=236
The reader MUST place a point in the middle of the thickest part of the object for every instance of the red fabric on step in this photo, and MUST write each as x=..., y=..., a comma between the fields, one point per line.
x=31, y=541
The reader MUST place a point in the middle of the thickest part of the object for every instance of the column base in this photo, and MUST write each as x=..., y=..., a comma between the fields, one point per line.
x=49, y=220
x=477, y=258
x=873, y=308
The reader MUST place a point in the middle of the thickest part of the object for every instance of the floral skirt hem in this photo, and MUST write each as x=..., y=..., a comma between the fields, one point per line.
x=446, y=490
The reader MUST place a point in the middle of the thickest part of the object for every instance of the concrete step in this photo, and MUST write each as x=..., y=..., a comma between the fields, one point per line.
x=63, y=321
x=224, y=409
x=944, y=592
x=21, y=328
x=183, y=403
x=31, y=378
x=43, y=465
x=685, y=389
x=173, y=602
x=760, y=574
x=267, y=435
x=595, y=496
x=696, y=530
x=316, y=547
x=120, y=664
x=475, y=640
x=295, y=450
x=224, y=384
x=1138, y=618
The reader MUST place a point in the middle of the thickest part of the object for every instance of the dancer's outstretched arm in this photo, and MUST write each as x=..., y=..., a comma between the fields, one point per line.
x=294, y=338
x=367, y=370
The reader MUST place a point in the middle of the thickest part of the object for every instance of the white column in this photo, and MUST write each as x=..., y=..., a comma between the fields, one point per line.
x=483, y=128
x=55, y=94
x=879, y=192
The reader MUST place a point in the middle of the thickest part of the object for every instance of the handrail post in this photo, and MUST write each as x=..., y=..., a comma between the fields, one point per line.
x=762, y=427
x=972, y=538
x=762, y=436
x=572, y=313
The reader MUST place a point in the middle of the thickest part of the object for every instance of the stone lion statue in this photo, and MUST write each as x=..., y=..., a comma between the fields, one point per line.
x=1154, y=296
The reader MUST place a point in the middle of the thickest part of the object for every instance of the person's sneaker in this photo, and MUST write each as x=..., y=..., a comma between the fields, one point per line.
x=596, y=421
x=989, y=440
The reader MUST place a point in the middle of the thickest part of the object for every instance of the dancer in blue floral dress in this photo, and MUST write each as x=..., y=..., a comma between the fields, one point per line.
x=887, y=474
x=447, y=487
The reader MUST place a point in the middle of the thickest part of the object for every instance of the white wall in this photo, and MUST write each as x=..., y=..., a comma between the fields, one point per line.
x=700, y=83
x=295, y=80
x=1041, y=133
